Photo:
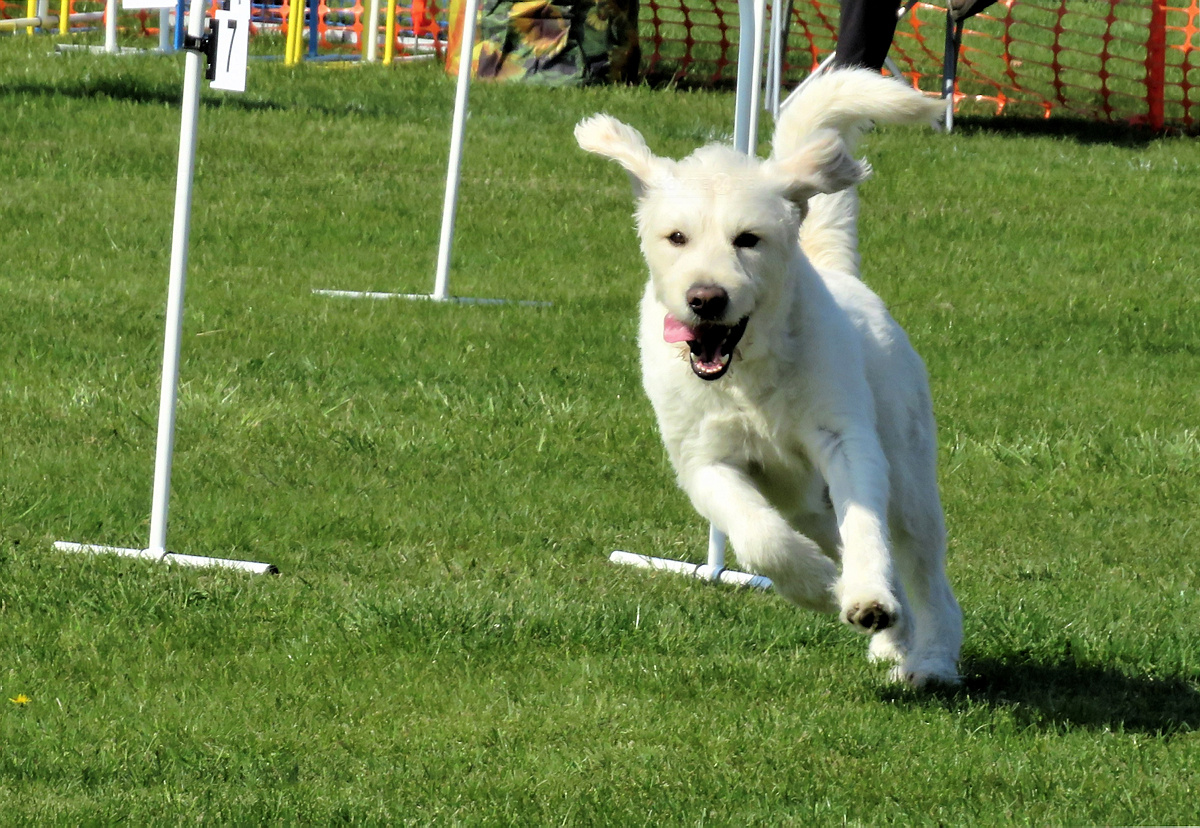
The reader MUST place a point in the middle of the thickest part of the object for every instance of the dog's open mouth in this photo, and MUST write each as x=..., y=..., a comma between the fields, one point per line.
x=711, y=344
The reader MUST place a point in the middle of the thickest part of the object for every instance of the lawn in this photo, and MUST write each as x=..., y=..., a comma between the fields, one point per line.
x=440, y=485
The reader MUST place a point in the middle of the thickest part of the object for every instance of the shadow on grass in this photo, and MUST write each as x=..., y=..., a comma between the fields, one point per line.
x=1079, y=130
x=134, y=91
x=1054, y=695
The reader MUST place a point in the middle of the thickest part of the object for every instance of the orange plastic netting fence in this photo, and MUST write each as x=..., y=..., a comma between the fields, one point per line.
x=342, y=23
x=1134, y=61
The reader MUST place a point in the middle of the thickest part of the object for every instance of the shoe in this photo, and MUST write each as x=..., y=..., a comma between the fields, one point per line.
x=962, y=9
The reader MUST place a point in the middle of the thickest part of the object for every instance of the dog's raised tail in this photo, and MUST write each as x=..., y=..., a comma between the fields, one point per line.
x=848, y=101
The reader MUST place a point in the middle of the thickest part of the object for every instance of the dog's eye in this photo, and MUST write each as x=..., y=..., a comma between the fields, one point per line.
x=677, y=239
x=745, y=240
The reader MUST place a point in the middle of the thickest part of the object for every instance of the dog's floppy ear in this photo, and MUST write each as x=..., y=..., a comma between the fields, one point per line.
x=605, y=135
x=822, y=164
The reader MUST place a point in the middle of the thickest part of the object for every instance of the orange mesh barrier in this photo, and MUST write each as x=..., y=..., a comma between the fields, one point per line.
x=341, y=25
x=1135, y=61
x=265, y=17
x=340, y=22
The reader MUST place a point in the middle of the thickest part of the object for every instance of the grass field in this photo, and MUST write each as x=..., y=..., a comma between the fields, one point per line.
x=440, y=486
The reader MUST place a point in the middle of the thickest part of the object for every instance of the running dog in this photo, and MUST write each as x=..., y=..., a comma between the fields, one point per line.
x=794, y=410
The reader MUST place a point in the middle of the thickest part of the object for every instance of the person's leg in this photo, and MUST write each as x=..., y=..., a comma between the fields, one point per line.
x=865, y=32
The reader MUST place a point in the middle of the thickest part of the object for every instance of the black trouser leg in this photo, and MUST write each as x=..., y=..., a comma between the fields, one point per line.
x=865, y=32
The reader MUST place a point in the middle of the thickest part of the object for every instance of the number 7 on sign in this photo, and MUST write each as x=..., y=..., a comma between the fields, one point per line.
x=233, y=42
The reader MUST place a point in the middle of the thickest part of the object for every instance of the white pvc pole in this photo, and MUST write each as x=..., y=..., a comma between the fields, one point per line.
x=174, y=328
x=179, y=253
x=110, y=27
x=741, y=100
x=170, y=557
x=716, y=548
x=779, y=10
x=165, y=42
x=704, y=572
x=47, y=21
x=373, y=31
x=751, y=17
x=441, y=286
x=756, y=85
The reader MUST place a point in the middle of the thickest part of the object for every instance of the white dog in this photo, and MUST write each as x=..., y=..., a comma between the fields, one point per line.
x=795, y=412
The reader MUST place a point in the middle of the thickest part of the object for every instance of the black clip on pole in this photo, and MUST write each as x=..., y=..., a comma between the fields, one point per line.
x=206, y=45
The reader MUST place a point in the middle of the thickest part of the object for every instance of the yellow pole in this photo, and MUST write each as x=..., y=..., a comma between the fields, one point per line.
x=64, y=17
x=291, y=21
x=301, y=18
x=298, y=46
x=389, y=43
x=30, y=11
x=294, y=23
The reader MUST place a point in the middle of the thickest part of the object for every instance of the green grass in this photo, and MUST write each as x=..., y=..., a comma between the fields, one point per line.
x=441, y=486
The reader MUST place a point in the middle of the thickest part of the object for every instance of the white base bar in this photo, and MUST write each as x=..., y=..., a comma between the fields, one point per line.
x=429, y=297
x=167, y=557
x=705, y=572
x=48, y=21
x=100, y=50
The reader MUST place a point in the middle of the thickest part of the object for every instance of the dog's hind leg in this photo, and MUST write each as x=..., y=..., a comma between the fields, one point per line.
x=762, y=539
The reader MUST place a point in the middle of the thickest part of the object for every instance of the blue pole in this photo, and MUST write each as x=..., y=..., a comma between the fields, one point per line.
x=313, y=36
x=179, y=25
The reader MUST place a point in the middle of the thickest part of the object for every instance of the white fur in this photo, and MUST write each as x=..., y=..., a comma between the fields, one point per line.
x=818, y=445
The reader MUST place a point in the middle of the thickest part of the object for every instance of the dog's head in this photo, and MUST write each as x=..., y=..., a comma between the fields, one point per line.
x=719, y=229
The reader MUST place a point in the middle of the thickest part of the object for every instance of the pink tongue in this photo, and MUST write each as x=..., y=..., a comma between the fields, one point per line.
x=676, y=331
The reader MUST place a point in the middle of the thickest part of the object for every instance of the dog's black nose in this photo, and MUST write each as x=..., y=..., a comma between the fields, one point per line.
x=707, y=301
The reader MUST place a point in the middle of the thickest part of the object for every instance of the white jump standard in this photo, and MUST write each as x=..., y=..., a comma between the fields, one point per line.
x=441, y=285
x=751, y=18
x=228, y=39
x=714, y=570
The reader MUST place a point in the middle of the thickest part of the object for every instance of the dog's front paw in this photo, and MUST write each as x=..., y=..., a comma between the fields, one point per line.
x=870, y=613
x=869, y=617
